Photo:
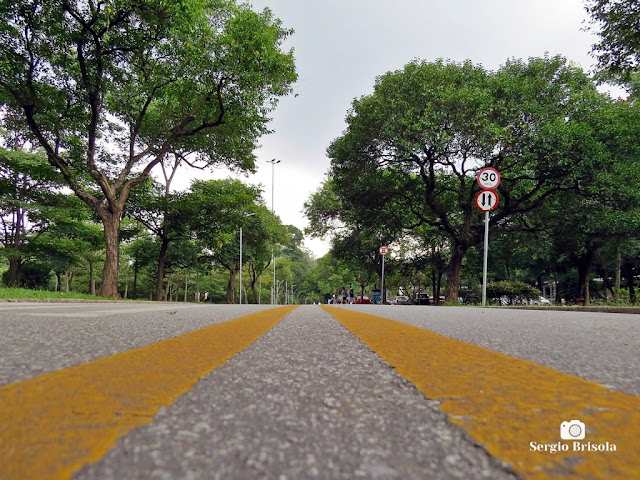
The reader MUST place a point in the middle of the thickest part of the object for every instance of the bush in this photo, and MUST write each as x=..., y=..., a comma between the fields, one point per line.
x=512, y=290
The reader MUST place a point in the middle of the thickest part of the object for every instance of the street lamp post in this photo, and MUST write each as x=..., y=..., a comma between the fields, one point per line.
x=246, y=215
x=273, y=162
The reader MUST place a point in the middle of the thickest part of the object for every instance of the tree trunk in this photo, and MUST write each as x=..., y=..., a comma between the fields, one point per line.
x=230, y=287
x=438, y=287
x=134, y=294
x=433, y=285
x=585, y=264
x=69, y=277
x=161, y=263
x=453, y=273
x=253, y=290
x=92, y=279
x=111, y=224
x=13, y=276
x=58, y=281
x=605, y=282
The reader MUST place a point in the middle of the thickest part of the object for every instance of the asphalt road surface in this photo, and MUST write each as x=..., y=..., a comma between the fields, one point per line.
x=149, y=390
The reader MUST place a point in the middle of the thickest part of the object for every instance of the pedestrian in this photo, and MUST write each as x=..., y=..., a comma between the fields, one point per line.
x=351, y=296
x=206, y=296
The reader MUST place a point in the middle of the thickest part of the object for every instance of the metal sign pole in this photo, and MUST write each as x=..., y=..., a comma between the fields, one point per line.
x=240, y=265
x=486, y=200
x=486, y=257
x=382, y=289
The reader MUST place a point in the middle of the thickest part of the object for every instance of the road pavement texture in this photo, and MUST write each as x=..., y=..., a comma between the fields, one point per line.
x=282, y=393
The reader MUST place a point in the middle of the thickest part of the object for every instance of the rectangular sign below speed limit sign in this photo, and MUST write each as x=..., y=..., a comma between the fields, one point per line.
x=487, y=200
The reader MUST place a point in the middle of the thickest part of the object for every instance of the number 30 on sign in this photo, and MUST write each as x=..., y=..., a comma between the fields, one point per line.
x=488, y=178
x=487, y=200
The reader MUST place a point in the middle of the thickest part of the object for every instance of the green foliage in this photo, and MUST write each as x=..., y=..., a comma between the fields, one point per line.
x=31, y=294
x=33, y=275
x=615, y=22
x=412, y=149
x=110, y=90
x=512, y=290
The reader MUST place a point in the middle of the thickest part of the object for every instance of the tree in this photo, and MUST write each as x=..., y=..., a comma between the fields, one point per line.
x=415, y=145
x=109, y=89
x=167, y=216
x=29, y=190
x=616, y=23
x=220, y=208
x=359, y=227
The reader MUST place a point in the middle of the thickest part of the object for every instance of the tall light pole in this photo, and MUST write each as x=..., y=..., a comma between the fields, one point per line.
x=273, y=162
x=246, y=215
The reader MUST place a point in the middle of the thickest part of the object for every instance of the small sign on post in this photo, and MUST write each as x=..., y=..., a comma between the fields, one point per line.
x=383, y=250
x=488, y=178
x=487, y=200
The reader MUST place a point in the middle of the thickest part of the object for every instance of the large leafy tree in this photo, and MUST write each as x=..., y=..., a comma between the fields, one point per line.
x=419, y=140
x=110, y=88
x=167, y=216
x=616, y=23
x=29, y=193
x=220, y=208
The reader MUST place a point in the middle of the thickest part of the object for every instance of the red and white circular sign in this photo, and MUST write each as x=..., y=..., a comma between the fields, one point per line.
x=487, y=200
x=383, y=250
x=488, y=178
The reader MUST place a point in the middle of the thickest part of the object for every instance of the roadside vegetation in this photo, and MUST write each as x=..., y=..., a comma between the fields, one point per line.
x=31, y=294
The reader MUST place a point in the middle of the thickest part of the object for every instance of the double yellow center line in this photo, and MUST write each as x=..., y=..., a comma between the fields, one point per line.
x=53, y=424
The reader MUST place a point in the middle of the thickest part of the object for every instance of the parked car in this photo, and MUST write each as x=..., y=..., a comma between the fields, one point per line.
x=400, y=300
x=422, y=299
x=540, y=301
x=362, y=300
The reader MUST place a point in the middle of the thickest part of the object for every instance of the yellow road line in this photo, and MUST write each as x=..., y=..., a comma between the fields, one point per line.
x=506, y=403
x=53, y=424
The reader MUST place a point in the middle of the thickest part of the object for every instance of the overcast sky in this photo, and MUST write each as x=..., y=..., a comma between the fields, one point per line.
x=341, y=46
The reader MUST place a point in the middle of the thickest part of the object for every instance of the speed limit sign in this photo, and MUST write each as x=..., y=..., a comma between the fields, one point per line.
x=488, y=178
x=383, y=250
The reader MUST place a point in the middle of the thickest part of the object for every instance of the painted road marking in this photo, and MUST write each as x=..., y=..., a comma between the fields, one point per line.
x=505, y=403
x=53, y=424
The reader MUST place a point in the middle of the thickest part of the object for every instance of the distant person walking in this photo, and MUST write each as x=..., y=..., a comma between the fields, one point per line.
x=206, y=296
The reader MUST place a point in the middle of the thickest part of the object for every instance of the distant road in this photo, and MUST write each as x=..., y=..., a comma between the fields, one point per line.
x=154, y=390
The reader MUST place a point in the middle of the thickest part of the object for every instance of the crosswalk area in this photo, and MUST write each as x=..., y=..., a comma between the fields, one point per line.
x=314, y=392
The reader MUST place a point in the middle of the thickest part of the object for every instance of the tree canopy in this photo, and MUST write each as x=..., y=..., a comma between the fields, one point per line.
x=412, y=149
x=616, y=23
x=110, y=89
